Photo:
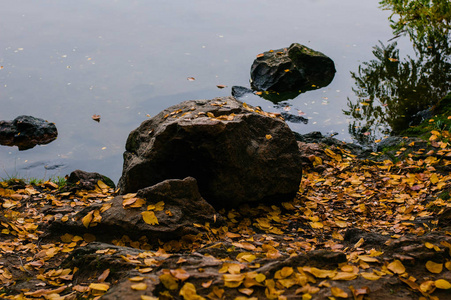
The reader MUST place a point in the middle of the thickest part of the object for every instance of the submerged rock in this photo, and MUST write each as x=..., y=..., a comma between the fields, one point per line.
x=294, y=69
x=25, y=132
x=236, y=152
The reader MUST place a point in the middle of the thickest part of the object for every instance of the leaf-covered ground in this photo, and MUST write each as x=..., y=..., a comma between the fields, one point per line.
x=358, y=229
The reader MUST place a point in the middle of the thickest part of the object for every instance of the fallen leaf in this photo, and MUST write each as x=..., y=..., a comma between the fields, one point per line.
x=96, y=118
x=442, y=284
x=139, y=286
x=434, y=267
x=149, y=217
x=99, y=286
x=339, y=293
x=396, y=267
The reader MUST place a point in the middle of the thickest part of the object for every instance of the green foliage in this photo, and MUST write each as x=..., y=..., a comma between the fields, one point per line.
x=418, y=16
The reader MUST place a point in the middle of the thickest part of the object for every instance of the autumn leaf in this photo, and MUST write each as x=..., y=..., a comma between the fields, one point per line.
x=149, y=217
x=86, y=220
x=434, y=267
x=396, y=267
x=180, y=274
x=442, y=284
x=96, y=118
x=169, y=281
x=99, y=286
x=337, y=292
x=188, y=292
x=139, y=286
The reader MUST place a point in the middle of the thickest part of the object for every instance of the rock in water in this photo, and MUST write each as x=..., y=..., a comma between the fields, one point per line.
x=294, y=69
x=25, y=132
x=236, y=152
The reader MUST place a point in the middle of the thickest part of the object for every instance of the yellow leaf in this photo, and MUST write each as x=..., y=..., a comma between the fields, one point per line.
x=233, y=280
x=188, y=291
x=370, y=276
x=207, y=284
x=260, y=277
x=429, y=245
x=102, y=185
x=366, y=258
x=319, y=273
x=136, y=278
x=144, y=297
x=336, y=235
x=87, y=219
x=246, y=291
x=316, y=225
x=434, y=267
x=99, y=286
x=344, y=276
x=268, y=136
x=442, y=284
x=283, y=273
x=149, y=217
x=434, y=179
x=359, y=243
x=159, y=206
x=180, y=274
x=245, y=257
x=139, y=286
x=339, y=293
x=427, y=286
x=396, y=267
x=169, y=281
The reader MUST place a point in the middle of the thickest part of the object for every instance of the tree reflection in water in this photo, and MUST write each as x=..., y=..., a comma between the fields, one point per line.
x=391, y=91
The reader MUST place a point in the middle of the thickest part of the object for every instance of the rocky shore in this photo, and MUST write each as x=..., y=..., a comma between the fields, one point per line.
x=354, y=227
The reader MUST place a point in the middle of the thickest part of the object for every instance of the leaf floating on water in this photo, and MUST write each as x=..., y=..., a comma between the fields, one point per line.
x=191, y=78
x=96, y=118
x=221, y=86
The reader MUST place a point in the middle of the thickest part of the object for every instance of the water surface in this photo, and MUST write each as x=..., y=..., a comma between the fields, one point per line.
x=64, y=61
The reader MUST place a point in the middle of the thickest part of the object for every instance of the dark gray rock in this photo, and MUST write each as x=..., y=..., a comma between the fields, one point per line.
x=87, y=180
x=25, y=132
x=183, y=206
x=297, y=68
x=237, y=153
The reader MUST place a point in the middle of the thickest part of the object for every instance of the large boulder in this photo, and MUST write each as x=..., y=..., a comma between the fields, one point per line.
x=236, y=152
x=294, y=69
x=25, y=132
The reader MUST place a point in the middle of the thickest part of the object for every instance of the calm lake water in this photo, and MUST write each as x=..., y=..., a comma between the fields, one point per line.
x=65, y=61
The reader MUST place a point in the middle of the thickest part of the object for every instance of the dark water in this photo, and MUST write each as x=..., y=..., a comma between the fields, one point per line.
x=64, y=61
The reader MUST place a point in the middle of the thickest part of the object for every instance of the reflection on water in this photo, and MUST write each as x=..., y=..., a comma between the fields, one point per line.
x=392, y=92
x=65, y=61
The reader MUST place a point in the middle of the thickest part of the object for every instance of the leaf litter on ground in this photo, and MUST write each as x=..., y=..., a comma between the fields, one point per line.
x=389, y=220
